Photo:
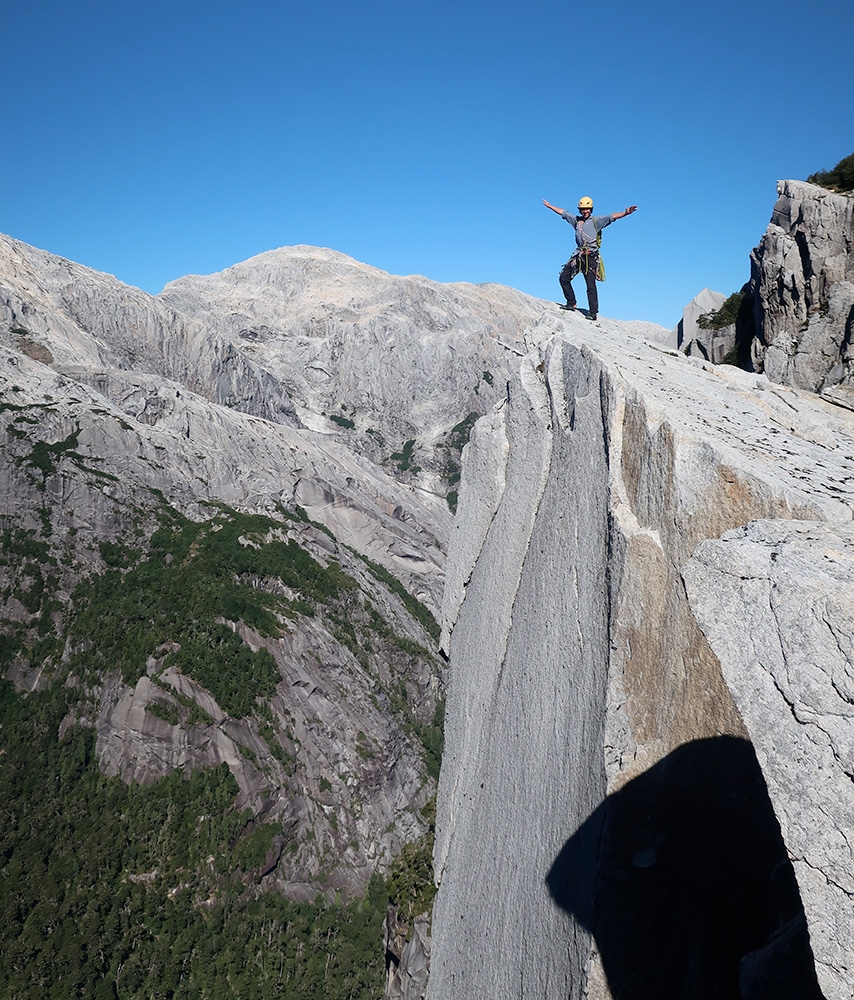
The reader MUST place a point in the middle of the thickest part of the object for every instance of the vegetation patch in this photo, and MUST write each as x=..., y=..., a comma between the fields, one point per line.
x=127, y=892
x=274, y=745
x=457, y=439
x=166, y=712
x=252, y=850
x=120, y=892
x=430, y=735
x=195, y=579
x=840, y=179
x=404, y=458
x=719, y=319
x=33, y=574
x=44, y=456
x=410, y=883
x=418, y=611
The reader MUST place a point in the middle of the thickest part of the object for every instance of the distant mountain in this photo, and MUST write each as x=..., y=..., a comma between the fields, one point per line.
x=224, y=517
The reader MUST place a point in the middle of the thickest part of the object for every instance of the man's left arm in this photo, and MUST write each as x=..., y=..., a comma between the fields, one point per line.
x=626, y=211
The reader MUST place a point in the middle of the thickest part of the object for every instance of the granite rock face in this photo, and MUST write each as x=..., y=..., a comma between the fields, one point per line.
x=581, y=676
x=335, y=767
x=378, y=359
x=408, y=959
x=325, y=397
x=775, y=601
x=697, y=341
x=802, y=282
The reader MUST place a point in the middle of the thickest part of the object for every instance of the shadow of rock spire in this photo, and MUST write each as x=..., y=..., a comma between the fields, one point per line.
x=684, y=881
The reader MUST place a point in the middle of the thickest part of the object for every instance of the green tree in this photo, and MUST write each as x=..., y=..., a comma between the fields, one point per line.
x=840, y=178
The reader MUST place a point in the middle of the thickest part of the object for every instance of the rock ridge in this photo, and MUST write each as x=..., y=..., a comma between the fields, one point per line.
x=802, y=282
x=579, y=662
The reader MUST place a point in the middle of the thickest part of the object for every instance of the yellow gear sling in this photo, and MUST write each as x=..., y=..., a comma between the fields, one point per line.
x=600, y=270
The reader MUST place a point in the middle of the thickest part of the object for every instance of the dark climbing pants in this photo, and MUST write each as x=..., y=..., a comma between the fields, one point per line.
x=586, y=264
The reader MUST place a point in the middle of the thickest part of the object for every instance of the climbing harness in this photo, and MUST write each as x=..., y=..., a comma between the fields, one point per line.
x=581, y=259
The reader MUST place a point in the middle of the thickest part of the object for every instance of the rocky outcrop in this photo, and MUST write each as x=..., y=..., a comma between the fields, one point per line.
x=587, y=705
x=407, y=956
x=775, y=601
x=711, y=344
x=802, y=282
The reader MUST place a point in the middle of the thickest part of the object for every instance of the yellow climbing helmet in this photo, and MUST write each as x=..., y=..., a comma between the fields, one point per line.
x=585, y=202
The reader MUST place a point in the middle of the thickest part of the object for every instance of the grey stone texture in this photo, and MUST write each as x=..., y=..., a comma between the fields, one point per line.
x=696, y=341
x=577, y=659
x=408, y=956
x=775, y=600
x=802, y=280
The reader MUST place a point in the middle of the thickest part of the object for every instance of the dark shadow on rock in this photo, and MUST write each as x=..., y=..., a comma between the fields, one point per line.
x=745, y=330
x=684, y=881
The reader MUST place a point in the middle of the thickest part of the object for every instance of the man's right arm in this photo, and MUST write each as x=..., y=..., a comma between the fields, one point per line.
x=554, y=208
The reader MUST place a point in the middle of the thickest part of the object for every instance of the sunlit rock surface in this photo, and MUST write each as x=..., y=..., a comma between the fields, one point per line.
x=579, y=670
x=775, y=600
x=802, y=280
x=703, y=342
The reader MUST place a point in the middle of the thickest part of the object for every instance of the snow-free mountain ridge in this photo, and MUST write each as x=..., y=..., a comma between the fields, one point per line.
x=645, y=727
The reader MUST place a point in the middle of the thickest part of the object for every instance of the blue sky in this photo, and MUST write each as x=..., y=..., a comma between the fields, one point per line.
x=152, y=140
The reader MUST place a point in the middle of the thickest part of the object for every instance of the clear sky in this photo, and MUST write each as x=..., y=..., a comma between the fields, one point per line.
x=156, y=139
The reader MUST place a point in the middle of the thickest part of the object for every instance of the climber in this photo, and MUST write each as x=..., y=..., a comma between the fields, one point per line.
x=586, y=259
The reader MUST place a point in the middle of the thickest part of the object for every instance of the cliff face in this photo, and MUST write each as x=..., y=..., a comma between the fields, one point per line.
x=649, y=740
x=711, y=344
x=608, y=664
x=224, y=513
x=86, y=492
x=122, y=413
x=802, y=280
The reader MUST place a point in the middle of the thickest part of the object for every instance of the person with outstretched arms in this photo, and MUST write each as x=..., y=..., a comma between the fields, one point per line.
x=586, y=260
